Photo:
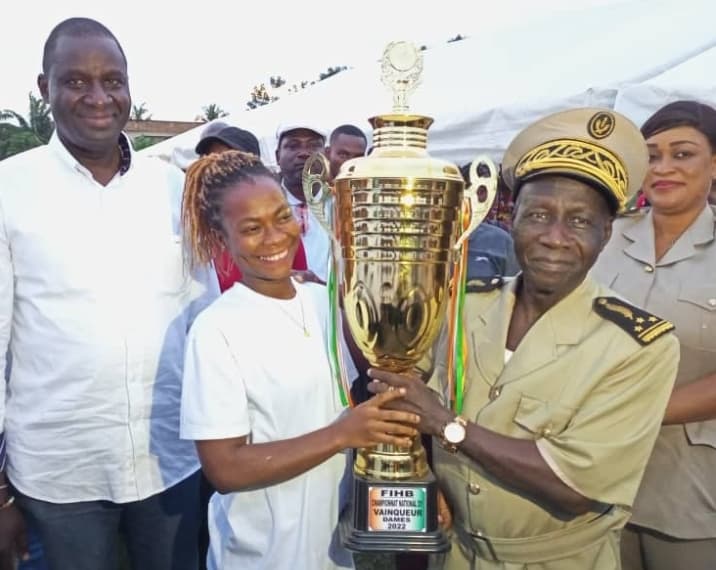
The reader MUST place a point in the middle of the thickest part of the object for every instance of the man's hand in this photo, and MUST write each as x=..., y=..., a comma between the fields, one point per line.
x=13, y=536
x=418, y=399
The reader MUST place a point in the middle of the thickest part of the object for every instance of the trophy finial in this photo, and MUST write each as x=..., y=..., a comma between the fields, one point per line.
x=402, y=65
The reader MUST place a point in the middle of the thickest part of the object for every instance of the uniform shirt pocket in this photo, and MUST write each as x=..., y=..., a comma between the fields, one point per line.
x=542, y=419
x=701, y=433
x=697, y=327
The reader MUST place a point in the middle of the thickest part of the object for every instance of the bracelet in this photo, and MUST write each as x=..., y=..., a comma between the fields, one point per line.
x=7, y=503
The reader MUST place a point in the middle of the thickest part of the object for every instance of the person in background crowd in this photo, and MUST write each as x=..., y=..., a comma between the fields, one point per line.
x=565, y=389
x=227, y=138
x=258, y=398
x=233, y=138
x=296, y=143
x=664, y=259
x=346, y=142
x=95, y=304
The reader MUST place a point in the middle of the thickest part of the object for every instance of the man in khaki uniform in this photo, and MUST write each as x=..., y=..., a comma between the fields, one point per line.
x=565, y=384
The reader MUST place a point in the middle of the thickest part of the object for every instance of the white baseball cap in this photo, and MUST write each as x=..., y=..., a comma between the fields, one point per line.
x=285, y=128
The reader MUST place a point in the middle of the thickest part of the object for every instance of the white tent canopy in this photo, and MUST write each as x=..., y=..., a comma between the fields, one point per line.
x=689, y=80
x=633, y=56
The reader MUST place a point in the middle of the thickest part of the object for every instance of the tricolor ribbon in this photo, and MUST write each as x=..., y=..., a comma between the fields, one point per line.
x=457, y=345
x=335, y=321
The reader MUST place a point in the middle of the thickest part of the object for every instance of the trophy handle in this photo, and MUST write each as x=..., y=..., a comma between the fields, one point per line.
x=318, y=193
x=479, y=180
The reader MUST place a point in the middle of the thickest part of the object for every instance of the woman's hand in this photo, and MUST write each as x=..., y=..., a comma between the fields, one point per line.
x=369, y=424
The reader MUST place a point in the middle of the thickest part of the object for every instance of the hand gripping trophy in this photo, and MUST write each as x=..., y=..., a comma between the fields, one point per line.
x=399, y=221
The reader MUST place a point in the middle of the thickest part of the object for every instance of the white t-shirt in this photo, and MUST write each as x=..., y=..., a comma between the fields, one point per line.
x=250, y=369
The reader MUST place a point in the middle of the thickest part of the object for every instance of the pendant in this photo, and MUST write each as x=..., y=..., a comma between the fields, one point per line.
x=305, y=332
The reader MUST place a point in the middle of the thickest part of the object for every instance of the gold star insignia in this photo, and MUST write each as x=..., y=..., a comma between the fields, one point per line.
x=653, y=319
x=639, y=320
x=638, y=328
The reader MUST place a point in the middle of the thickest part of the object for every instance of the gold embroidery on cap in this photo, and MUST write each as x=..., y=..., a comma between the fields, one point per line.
x=580, y=156
x=601, y=125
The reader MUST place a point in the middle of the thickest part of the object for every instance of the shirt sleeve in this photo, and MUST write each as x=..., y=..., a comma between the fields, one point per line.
x=214, y=403
x=7, y=292
x=204, y=280
x=604, y=449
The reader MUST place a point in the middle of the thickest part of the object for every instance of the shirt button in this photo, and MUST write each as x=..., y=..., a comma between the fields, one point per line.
x=648, y=269
x=546, y=431
x=474, y=488
x=495, y=392
x=712, y=302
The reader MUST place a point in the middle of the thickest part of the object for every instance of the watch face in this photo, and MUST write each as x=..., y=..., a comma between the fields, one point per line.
x=454, y=433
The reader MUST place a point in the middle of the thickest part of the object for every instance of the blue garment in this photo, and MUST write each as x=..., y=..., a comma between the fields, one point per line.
x=491, y=253
x=36, y=561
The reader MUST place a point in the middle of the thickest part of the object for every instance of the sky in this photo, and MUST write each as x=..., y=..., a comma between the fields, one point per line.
x=184, y=56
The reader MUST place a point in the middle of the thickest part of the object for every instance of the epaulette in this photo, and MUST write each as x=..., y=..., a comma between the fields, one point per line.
x=484, y=285
x=642, y=326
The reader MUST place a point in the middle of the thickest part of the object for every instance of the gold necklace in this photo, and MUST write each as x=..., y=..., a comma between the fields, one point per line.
x=302, y=323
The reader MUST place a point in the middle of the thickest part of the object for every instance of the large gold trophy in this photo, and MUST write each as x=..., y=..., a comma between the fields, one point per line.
x=399, y=220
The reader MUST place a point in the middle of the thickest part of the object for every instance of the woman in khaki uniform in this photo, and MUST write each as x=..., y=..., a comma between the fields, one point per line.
x=664, y=259
x=566, y=385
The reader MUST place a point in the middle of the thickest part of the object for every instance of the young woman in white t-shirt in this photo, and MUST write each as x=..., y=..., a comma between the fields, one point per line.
x=258, y=396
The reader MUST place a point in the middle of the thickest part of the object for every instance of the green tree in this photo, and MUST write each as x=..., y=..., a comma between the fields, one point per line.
x=18, y=134
x=212, y=112
x=140, y=113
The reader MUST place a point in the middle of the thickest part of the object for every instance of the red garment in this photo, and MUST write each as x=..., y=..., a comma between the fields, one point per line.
x=228, y=273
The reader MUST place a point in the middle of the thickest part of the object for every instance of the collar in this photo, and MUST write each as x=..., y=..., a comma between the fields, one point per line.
x=292, y=200
x=60, y=150
x=641, y=236
x=563, y=324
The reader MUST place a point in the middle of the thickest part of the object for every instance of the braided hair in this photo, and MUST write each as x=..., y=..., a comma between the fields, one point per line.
x=207, y=179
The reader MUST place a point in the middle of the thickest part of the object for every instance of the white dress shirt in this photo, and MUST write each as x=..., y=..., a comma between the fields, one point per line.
x=95, y=305
x=316, y=241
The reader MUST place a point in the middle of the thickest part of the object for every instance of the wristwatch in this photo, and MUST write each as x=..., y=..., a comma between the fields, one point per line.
x=453, y=434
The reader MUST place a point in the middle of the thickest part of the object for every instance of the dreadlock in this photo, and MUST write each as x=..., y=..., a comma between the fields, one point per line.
x=206, y=181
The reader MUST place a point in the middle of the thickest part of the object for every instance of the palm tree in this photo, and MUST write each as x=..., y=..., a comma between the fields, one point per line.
x=23, y=134
x=212, y=112
x=140, y=113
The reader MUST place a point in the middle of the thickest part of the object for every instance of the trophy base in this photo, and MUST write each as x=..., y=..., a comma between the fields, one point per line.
x=398, y=516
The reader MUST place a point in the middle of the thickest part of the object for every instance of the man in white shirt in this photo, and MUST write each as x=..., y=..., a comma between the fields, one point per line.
x=296, y=143
x=95, y=304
